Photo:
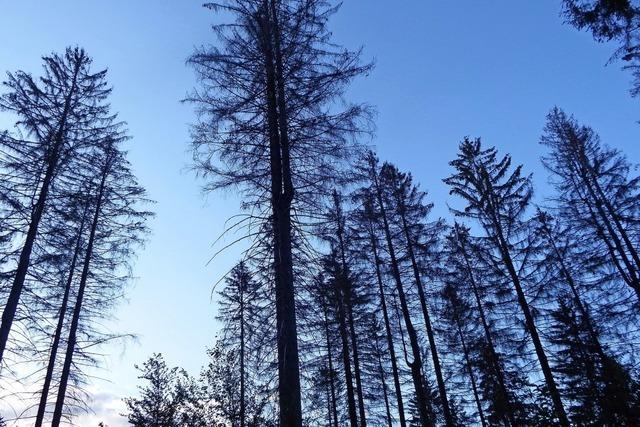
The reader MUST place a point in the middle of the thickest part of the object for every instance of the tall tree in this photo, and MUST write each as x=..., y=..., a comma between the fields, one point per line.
x=368, y=224
x=497, y=197
x=57, y=112
x=420, y=241
x=57, y=336
x=116, y=227
x=590, y=373
x=269, y=126
x=464, y=271
x=596, y=194
x=371, y=170
x=348, y=292
x=457, y=311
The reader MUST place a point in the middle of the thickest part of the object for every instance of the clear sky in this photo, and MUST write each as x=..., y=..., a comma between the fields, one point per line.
x=444, y=70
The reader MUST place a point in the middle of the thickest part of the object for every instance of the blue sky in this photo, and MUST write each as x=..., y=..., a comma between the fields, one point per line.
x=444, y=70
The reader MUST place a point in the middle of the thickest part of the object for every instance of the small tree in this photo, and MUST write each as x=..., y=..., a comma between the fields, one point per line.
x=162, y=398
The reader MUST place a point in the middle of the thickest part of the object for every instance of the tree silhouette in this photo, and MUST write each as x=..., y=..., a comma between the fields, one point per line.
x=269, y=127
x=497, y=198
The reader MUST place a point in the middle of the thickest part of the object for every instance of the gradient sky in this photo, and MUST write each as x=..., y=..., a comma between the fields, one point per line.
x=444, y=70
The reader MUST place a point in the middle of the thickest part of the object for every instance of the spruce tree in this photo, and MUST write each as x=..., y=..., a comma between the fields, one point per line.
x=270, y=127
x=497, y=198
x=58, y=114
x=596, y=194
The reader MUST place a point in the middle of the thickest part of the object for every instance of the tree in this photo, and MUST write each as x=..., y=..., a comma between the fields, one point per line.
x=220, y=385
x=457, y=311
x=271, y=127
x=420, y=243
x=116, y=228
x=466, y=271
x=370, y=170
x=162, y=398
x=610, y=20
x=497, y=197
x=58, y=112
x=243, y=342
x=368, y=226
x=596, y=195
x=234, y=311
x=57, y=336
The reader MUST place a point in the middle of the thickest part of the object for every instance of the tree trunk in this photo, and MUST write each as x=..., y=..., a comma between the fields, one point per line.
x=596, y=190
x=346, y=360
x=387, y=326
x=427, y=319
x=281, y=197
x=58, y=332
x=533, y=332
x=383, y=383
x=416, y=365
x=71, y=341
x=242, y=373
x=469, y=367
x=334, y=401
x=347, y=293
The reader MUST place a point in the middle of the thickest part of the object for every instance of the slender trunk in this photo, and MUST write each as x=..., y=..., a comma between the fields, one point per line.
x=71, y=341
x=387, y=326
x=356, y=363
x=495, y=360
x=347, y=293
x=346, y=360
x=597, y=189
x=591, y=200
x=472, y=377
x=329, y=419
x=535, y=337
x=242, y=369
x=633, y=273
x=416, y=364
x=332, y=388
x=385, y=394
x=9, y=313
x=281, y=197
x=448, y=418
x=530, y=324
x=44, y=395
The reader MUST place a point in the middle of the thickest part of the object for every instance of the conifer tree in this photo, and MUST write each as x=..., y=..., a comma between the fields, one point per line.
x=457, y=312
x=269, y=127
x=497, y=197
x=116, y=227
x=367, y=228
x=596, y=194
x=57, y=115
x=371, y=171
x=420, y=243
x=468, y=275
x=611, y=20
x=164, y=398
